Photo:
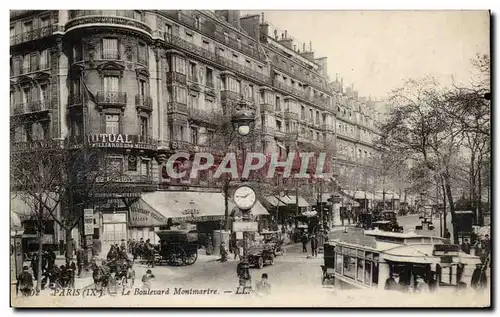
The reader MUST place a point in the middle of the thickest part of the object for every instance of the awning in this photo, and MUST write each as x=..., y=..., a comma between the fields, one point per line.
x=292, y=200
x=154, y=209
x=273, y=201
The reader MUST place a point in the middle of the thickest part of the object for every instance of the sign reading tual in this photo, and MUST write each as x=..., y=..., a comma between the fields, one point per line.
x=120, y=141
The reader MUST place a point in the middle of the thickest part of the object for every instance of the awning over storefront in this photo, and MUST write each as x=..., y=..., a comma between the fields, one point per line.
x=154, y=209
x=292, y=200
x=273, y=201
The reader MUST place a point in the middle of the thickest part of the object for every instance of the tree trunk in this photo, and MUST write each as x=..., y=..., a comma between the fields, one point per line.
x=444, y=205
x=69, y=247
x=473, y=186
x=39, y=264
x=479, y=197
x=452, y=207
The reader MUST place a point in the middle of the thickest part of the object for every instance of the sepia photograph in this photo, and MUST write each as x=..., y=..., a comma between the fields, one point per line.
x=250, y=158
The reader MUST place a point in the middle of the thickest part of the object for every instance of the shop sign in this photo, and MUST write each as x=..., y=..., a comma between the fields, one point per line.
x=114, y=218
x=88, y=221
x=442, y=250
x=128, y=141
x=245, y=226
x=146, y=218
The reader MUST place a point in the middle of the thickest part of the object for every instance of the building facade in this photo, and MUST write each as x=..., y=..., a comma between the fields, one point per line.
x=140, y=85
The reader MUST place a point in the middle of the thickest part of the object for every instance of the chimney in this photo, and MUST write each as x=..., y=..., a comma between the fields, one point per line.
x=262, y=15
x=286, y=34
x=303, y=47
x=264, y=32
x=341, y=84
x=310, y=46
x=294, y=47
x=308, y=55
x=276, y=34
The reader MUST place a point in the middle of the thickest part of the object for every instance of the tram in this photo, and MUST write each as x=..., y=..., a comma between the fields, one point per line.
x=367, y=260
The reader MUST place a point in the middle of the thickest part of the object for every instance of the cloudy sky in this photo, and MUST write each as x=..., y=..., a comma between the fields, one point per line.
x=376, y=50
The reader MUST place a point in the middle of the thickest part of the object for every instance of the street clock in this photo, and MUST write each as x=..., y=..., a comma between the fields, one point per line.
x=244, y=197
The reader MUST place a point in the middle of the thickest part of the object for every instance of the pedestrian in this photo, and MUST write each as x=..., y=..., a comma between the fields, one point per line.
x=314, y=245
x=25, y=282
x=123, y=244
x=479, y=280
x=237, y=250
x=147, y=279
x=51, y=258
x=447, y=234
x=465, y=246
x=304, y=242
x=391, y=284
x=34, y=265
x=263, y=287
x=80, y=260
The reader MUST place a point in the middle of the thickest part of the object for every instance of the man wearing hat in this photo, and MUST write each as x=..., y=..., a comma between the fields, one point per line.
x=25, y=282
x=263, y=287
x=479, y=281
x=146, y=279
x=391, y=284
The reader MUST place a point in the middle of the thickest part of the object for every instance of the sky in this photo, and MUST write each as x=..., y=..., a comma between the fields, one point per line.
x=376, y=50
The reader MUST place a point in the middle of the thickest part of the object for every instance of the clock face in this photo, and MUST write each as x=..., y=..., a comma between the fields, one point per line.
x=244, y=197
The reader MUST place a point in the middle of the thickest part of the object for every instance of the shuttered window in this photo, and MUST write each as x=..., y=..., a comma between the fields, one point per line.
x=111, y=84
x=26, y=64
x=44, y=59
x=110, y=49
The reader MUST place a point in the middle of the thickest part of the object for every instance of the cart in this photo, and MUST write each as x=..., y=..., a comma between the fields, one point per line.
x=178, y=247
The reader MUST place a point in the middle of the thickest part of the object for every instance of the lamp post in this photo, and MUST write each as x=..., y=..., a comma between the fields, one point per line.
x=242, y=121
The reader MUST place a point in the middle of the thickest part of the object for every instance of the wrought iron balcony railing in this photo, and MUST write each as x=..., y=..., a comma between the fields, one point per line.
x=144, y=102
x=96, y=17
x=209, y=116
x=75, y=99
x=111, y=98
x=228, y=94
x=177, y=107
x=233, y=66
x=35, y=34
x=176, y=77
x=32, y=106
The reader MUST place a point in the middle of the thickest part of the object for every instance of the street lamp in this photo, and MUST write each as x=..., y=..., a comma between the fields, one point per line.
x=242, y=120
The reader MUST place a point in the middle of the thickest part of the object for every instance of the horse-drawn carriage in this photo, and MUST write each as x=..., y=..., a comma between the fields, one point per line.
x=177, y=247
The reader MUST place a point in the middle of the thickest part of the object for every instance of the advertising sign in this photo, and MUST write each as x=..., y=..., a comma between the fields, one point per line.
x=88, y=221
x=121, y=141
x=248, y=226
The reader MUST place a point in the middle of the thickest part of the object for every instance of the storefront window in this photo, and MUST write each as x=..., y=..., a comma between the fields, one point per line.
x=338, y=261
x=349, y=264
x=361, y=270
x=368, y=272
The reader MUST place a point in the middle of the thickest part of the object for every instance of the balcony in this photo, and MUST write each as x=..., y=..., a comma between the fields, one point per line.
x=313, y=79
x=266, y=107
x=35, y=145
x=97, y=18
x=279, y=134
x=188, y=46
x=35, y=34
x=200, y=115
x=173, y=77
x=122, y=182
x=31, y=107
x=291, y=115
x=233, y=66
x=144, y=102
x=75, y=100
x=208, y=28
x=327, y=127
x=268, y=130
x=177, y=107
x=111, y=98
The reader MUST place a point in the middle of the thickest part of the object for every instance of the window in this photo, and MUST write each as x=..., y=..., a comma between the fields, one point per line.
x=33, y=62
x=226, y=36
x=278, y=125
x=278, y=103
x=132, y=163
x=262, y=96
x=338, y=260
x=179, y=65
x=142, y=88
x=110, y=49
x=317, y=117
x=44, y=60
x=137, y=15
x=221, y=52
x=194, y=135
x=168, y=31
x=12, y=31
x=302, y=112
x=317, y=136
x=26, y=94
x=260, y=69
x=189, y=37
x=111, y=84
x=209, y=105
x=248, y=63
x=44, y=22
x=349, y=266
x=142, y=53
x=181, y=95
x=145, y=167
x=197, y=22
x=43, y=92
x=181, y=131
x=12, y=98
x=192, y=72
x=28, y=130
x=112, y=124
x=250, y=92
x=206, y=45
x=37, y=131
x=144, y=126
x=28, y=26
x=26, y=64
x=210, y=137
x=75, y=88
x=235, y=58
x=311, y=117
x=209, y=77
x=193, y=102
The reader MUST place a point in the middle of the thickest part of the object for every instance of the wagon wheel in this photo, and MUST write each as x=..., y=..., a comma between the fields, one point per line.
x=190, y=258
x=176, y=256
